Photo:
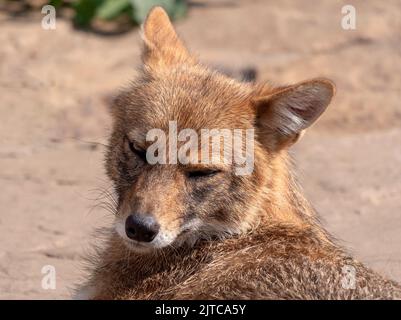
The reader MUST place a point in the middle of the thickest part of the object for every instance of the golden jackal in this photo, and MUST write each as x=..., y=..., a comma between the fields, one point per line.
x=197, y=229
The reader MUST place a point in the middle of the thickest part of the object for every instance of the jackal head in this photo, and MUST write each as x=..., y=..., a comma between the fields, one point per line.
x=176, y=200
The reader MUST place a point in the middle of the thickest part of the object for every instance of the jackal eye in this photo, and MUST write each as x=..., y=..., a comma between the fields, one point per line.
x=137, y=150
x=202, y=173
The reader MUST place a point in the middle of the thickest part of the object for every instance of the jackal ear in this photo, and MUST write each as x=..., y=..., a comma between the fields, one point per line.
x=162, y=46
x=283, y=116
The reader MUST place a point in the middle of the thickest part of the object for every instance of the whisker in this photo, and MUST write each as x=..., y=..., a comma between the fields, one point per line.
x=96, y=143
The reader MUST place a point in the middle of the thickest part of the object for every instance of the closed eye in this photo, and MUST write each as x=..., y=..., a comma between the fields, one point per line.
x=202, y=173
x=137, y=150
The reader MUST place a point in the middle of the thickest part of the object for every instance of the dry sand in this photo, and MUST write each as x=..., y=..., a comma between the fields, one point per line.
x=53, y=88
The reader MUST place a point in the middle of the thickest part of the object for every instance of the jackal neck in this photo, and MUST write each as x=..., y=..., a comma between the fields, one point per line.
x=284, y=200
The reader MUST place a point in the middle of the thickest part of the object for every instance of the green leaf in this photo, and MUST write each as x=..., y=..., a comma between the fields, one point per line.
x=56, y=3
x=85, y=10
x=180, y=9
x=174, y=8
x=111, y=9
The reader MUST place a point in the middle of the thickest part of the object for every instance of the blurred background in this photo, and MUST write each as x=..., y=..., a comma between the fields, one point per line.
x=55, y=91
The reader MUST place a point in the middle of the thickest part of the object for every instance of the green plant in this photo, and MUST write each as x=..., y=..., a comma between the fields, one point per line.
x=87, y=10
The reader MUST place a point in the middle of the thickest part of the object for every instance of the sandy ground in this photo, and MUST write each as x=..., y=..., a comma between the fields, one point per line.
x=53, y=88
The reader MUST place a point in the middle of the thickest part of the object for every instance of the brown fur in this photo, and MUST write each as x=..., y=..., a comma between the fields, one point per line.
x=259, y=238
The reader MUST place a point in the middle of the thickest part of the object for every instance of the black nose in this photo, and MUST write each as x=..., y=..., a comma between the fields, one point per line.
x=143, y=229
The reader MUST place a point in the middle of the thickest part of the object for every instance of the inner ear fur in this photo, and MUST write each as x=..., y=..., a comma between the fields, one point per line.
x=282, y=116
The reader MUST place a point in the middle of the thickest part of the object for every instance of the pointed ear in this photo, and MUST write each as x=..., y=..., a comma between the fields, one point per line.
x=283, y=115
x=162, y=47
